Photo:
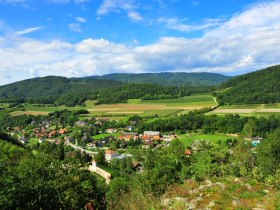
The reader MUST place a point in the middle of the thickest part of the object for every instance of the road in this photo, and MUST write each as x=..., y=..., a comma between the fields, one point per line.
x=91, y=153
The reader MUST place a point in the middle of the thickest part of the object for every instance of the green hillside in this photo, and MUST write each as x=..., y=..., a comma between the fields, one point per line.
x=74, y=91
x=168, y=78
x=51, y=88
x=253, y=88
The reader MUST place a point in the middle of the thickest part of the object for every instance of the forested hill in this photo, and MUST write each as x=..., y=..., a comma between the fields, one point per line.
x=168, y=78
x=74, y=91
x=257, y=87
x=51, y=87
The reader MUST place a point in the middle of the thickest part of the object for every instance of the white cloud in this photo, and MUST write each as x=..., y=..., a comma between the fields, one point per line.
x=178, y=25
x=81, y=19
x=134, y=16
x=75, y=27
x=247, y=41
x=29, y=30
x=129, y=6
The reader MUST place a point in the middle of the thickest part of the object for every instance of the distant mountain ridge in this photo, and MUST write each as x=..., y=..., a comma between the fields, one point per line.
x=168, y=78
x=53, y=86
x=257, y=87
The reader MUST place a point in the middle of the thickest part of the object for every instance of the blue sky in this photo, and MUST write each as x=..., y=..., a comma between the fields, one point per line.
x=76, y=38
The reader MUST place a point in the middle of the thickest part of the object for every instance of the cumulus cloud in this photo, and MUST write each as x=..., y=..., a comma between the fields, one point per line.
x=247, y=41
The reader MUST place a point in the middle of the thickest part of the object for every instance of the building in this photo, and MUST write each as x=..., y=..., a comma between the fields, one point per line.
x=255, y=141
x=81, y=123
x=151, y=133
x=111, y=130
x=109, y=154
x=23, y=140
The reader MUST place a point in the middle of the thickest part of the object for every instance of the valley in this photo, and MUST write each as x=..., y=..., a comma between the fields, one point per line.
x=141, y=139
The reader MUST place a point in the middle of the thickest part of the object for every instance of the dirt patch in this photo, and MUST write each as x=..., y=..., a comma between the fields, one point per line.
x=234, y=111
x=16, y=113
x=124, y=112
x=269, y=110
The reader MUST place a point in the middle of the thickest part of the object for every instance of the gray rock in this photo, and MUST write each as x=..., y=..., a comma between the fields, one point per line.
x=190, y=206
x=222, y=186
x=180, y=200
x=249, y=187
x=236, y=202
x=211, y=204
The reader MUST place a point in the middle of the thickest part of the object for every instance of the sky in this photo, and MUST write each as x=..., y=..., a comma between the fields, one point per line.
x=77, y=38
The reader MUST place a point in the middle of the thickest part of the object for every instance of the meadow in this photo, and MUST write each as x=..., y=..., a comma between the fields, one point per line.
x=144, y=108
x=187, y=139
x=156, y=108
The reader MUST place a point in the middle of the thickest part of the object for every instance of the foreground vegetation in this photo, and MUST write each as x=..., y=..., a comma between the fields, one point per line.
x=50, y=176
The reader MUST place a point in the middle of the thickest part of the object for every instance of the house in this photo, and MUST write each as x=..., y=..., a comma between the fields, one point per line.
x=156, y=138
x=80, y=123
x=46, y=123
x=62, y=131
x=172, y=136
x=91, y=145
x=54, y=141
x=41, y=140
x=111, y=130
x=146, y=138
x=69, y=139
x=151, y=133
x=147, y=144
x=127, y=136
x=23, y=140
x=109, y=154
x=188, y=152
x=129, y=128
x=52, y=134
x=255, y=141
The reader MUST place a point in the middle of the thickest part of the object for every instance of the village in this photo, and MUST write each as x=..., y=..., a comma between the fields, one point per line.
x=92, y=135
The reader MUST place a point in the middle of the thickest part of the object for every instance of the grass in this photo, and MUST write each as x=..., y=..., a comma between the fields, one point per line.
x=187, y=139
x=195, y=100
x=103, y=135
x=112, y=171
x=242, y=106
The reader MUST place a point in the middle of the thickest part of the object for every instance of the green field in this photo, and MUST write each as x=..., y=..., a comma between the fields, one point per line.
x=187, y=139
x=102, y=135
x=195, y=100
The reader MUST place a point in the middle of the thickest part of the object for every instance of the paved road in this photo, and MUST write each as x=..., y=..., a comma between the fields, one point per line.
x=81, y=149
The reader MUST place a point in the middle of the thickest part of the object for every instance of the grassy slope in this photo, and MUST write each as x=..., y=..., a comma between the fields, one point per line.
x=187, y=139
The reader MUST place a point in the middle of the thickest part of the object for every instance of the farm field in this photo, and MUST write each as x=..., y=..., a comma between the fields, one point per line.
x=187, y=139
x=257, y=110
x=161, y=108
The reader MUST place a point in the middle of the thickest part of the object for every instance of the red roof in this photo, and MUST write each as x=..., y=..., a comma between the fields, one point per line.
x=157, y=137
x=109, y=152
x=188, y=152
x=146, y=137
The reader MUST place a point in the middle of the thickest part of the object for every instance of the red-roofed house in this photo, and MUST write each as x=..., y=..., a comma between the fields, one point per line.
x=109, y=154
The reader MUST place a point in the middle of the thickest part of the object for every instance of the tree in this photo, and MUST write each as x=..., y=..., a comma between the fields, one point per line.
x=268, y=154
x=100, y=157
